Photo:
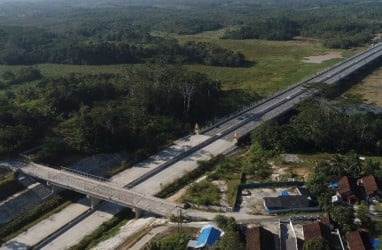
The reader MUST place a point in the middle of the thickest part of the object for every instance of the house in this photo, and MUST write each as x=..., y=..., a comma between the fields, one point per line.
x=358, y=240
x=324, y=229
x=317, y=229
x=369, y=185
x=288, y=203
x=208, y=237
x=347, y=189
x=258, y=238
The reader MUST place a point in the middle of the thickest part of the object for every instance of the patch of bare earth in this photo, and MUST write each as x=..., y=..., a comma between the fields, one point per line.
x=322, y=58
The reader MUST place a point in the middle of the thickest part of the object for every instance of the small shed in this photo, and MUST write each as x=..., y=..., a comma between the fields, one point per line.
x=284, y=193
x=208, y=236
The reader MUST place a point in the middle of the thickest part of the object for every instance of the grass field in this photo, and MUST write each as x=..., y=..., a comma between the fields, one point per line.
x=370, y=88
x=277, y=64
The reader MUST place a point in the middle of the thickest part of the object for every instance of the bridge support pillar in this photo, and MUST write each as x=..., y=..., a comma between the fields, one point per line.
x=53, y=188
x=93, y=202
x=138, y=212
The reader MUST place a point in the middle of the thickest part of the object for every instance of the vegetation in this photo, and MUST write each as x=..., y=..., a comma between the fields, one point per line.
x=277, y=64
x=317, y=243
x=173, y=240
x=320, y=126
x=105, y=231
x=107, y=112
x=202, y=193
x=31, y=46
x=231, y=238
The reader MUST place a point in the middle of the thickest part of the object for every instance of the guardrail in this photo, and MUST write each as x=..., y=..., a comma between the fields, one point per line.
x=87, y=175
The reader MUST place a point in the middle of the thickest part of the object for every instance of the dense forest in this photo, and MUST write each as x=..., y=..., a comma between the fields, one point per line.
x=143, y=109
x=339, y=24
x=31, y=46
x=159, y=99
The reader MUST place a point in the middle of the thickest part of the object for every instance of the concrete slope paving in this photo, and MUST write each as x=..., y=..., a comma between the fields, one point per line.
x=154, y=161
x=74, y=235
x=40, y=231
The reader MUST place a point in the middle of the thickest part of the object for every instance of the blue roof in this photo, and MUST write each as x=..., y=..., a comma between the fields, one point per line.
x=284, y=193
x=333, y=185
x=208, y=236
x=375, y=244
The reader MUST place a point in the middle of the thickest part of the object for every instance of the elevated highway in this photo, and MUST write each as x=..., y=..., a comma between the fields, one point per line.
x=252, y=116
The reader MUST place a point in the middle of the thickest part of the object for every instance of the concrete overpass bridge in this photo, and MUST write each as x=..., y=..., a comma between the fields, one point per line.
x=100, y=189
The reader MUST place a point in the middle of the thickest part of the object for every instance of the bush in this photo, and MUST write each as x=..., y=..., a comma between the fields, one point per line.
x=202, y=193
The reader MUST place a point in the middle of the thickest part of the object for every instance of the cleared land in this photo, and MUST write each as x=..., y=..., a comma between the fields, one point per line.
x=277, y=64
x=370, y=88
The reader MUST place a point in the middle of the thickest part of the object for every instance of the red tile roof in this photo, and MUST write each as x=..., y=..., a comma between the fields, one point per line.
x=316, y=229
x=344, y=185
x=358, y=241
x=369, y=184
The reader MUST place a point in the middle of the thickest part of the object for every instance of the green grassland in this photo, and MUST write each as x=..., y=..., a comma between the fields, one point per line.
x=277, y=64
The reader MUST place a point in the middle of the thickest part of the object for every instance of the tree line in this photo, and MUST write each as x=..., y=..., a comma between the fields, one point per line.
x=336, y=34
x=347, y=23
x=31, y=46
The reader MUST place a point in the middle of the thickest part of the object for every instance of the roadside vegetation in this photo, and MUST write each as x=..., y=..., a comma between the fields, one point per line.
x=172, y=239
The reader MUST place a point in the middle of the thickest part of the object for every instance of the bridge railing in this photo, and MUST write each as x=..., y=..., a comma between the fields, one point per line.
x=91, y=176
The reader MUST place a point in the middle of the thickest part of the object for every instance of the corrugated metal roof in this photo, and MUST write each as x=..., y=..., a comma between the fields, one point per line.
x=208, y=236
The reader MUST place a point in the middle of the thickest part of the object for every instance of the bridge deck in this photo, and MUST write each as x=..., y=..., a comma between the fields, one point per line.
x=99, y=189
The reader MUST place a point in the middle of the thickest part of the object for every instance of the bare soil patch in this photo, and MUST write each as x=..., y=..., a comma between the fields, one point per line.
x=322, y=58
